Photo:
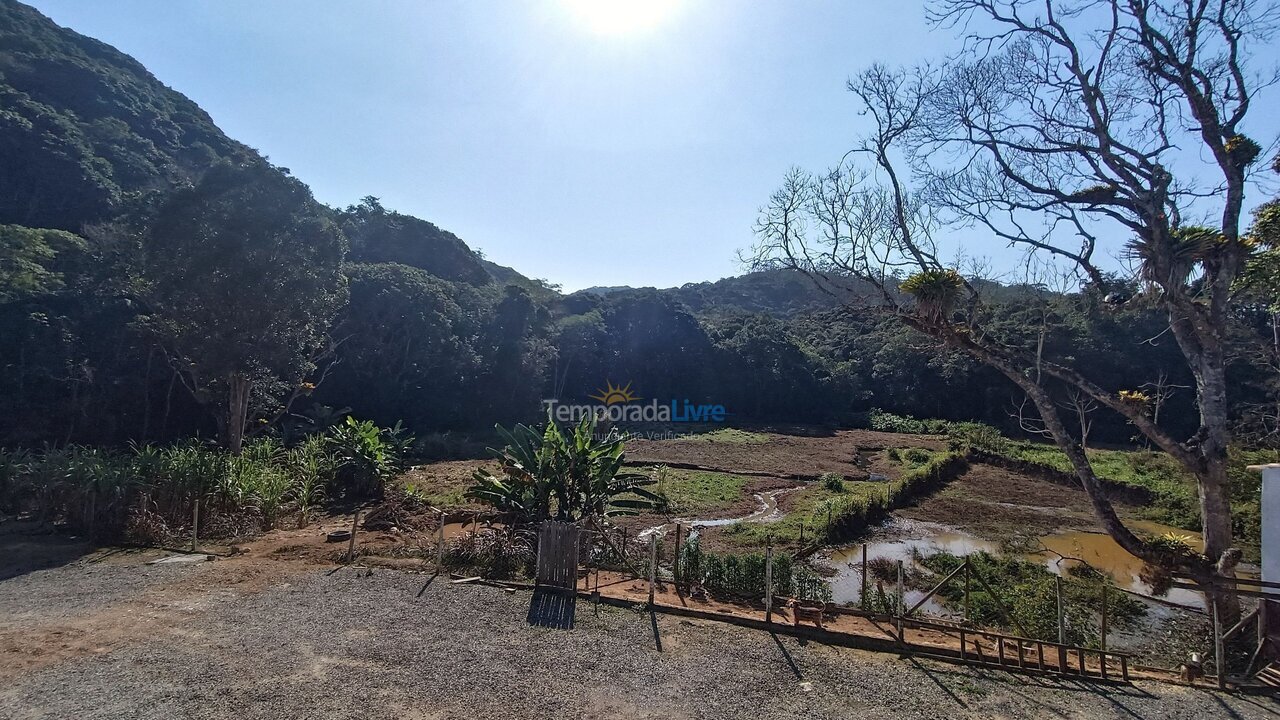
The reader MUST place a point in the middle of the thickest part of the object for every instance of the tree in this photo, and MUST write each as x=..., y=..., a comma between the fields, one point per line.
x=242, y=277
x=1061, y=129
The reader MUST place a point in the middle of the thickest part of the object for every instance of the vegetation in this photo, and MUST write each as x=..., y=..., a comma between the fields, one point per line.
x=106, y=493
x=1027, y=589
x=692, y=493
x=817, y=513
x=971, y=142
x=568, y=477
x=744, y=575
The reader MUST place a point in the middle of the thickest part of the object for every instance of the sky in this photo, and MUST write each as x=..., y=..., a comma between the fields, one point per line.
x=582, y=147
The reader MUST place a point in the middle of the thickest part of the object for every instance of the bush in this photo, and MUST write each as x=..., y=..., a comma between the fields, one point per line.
x=916, y=456
x=366, y=456
x=832, y=481
x=966, y=436
x=498, y=552
x=888, y=422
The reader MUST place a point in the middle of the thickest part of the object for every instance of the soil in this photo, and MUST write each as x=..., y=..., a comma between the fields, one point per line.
x=995, y=503
x=789, y=456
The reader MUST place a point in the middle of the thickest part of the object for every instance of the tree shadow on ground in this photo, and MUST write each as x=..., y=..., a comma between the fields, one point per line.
x=552, y=608
x=26, y=549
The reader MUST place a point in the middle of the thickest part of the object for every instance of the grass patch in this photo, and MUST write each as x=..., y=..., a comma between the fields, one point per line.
x=728, y=436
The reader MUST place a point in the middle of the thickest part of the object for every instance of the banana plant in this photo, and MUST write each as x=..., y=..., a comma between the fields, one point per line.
x=566, y=476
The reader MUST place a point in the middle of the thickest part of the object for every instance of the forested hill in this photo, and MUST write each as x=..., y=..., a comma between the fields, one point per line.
x=155, y=274
x=83, y=126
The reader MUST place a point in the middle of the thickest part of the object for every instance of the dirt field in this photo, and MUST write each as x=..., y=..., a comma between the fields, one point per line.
x=261, y=636
x=993, y=503
x=781, y=455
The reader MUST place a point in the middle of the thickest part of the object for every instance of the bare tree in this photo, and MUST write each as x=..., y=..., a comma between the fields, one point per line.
x=1060, y=128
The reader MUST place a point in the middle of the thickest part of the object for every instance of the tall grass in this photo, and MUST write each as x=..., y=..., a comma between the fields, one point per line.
x=95, y=491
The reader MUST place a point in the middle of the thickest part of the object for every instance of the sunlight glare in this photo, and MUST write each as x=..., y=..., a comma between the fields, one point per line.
x=620, y=17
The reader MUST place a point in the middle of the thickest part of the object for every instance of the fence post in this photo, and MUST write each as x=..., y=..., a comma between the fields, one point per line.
x=195, y=523
x=1062, y=627
x=653, y=565
x=900, y=602
x=675, y=560
x=1104, y=625
x=965, y=614
x=351, y=545
x=440, y=546
x=802, y=531
x=863, y=597
x=768, y=584
x=1219, y=654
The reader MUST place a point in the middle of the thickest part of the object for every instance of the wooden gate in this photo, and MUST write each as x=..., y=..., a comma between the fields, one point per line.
x=558, y=555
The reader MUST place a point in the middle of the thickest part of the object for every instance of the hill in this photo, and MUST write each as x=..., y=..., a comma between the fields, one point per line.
x=84, y=126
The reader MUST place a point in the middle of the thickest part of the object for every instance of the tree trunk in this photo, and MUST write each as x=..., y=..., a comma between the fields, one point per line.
x=237, y=411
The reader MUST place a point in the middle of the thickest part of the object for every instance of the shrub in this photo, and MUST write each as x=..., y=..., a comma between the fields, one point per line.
x=498, y=552
x=366, y=456
x=966, y=436
x=916, y=456
x=832, y=481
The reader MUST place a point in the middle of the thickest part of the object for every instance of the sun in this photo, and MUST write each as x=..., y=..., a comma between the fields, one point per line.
x=612, y=394
x=621, y=17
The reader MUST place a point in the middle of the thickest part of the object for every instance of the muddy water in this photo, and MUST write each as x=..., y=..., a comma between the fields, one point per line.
x=901, y=538
x=766, y=511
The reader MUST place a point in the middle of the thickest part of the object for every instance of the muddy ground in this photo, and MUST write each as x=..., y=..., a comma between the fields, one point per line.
x=258, y=636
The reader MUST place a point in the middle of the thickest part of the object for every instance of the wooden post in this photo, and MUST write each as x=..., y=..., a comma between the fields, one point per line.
x=653, y=565
x=802, y=531
x=1104, y=627
x=1062, y=627
x=1022, y=661
x=768, y=584
x=195, y=523
x=863, y=597
x=901, y=602
x=675, y=561
x=1124, y=667
x=351, y=545
x=962, y=650
x=1000, y=649
x=1219, y=652
x=439, y=547
x=965, y=616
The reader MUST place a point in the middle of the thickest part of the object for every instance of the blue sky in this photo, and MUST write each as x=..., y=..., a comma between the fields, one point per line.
x=574, y=154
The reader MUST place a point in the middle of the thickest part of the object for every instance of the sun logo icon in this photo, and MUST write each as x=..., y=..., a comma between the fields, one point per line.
x=614, y=394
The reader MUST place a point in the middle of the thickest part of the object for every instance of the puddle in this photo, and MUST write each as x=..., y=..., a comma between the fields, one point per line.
x=766, y=511
x=900, y=538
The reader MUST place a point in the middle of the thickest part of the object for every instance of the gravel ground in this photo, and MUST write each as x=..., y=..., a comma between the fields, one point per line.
x=378, y=644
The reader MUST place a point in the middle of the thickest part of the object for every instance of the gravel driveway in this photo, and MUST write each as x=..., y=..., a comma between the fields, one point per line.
x=187, y=642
